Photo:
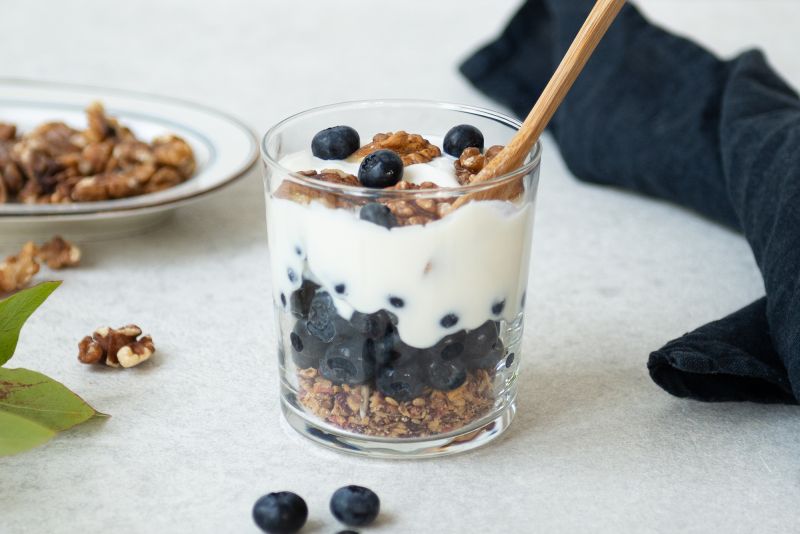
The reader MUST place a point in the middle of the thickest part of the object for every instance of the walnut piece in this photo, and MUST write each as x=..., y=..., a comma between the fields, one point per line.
x=17, y=271
x=116, y=347
x=303, y=194
x=472, y=162
x=59, y=253
x=418, y=210
x=412, y=148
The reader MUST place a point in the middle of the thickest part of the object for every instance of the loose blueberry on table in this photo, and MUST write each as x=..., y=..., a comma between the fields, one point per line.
x=355, y=506
x=282, y=512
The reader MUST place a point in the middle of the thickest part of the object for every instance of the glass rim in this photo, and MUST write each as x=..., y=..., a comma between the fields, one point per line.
x=352, y=190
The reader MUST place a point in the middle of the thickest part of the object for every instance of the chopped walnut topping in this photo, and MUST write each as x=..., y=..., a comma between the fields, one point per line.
x=59, y=253
x=412, y=148
x=17, y=271
x=364, y=410
x=472, y=162
x=302, y=194
x=116, y=347
x=419, y=210
x=58, y=164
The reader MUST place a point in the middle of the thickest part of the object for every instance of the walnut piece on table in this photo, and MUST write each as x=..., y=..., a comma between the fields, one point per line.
x=116, y=347
x=412, y=148
x=16, y=271
x=59, y=253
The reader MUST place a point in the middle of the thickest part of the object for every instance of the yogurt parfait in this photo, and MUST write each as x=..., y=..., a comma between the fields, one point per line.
x=399, y=281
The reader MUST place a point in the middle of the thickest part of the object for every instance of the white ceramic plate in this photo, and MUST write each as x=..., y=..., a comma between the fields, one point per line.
x=225, y=149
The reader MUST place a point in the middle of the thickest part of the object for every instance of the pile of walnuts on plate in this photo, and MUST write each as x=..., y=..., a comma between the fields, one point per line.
x=55, y=163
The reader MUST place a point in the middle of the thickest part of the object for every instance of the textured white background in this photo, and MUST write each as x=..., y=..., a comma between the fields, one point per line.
x=195, y=436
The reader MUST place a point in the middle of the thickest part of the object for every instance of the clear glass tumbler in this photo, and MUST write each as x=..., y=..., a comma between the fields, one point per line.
x=401, y=339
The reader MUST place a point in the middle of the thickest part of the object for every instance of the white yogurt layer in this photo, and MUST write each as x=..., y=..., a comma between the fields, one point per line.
x=463, y=264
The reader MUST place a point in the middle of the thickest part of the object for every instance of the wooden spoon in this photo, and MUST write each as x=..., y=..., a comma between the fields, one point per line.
x=513, y=155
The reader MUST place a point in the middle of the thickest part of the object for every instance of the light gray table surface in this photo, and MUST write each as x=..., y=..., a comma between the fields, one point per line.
x=195, y=435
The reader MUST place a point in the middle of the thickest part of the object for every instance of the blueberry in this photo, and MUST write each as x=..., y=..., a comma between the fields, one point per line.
x=510, y=360
x=340, y=288
x=300, y=300
x=321, y=316
x=377, y=213
x=280, y=513
x=498, y=307
x=355, y=506
x=283, y=299
x=349, y=361
x=372, y=326
x=337, y=142
x=382, y=168
x=397, y=302
x=292, y=275
x=445, y=375
x=449, y=348
x=449, y=320
x=392, y=352
x=307, y=349
x=461, y=137
x=484, y=347
x=481, y=340
x=402, y=383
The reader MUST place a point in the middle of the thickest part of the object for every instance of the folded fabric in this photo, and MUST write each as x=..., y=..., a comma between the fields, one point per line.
x=657, y=114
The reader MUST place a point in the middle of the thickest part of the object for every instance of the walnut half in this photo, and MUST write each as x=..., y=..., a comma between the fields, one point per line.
x=116, y=347
x=412, y=148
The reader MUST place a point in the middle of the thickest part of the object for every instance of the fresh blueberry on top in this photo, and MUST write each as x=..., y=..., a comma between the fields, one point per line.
x=445, y=375
x=349, y=361
x=382, y=168
x=283, y=512
x=379, y=214
x=461, y=137
x=337, y=142
x=402, y=383
x=355, y=506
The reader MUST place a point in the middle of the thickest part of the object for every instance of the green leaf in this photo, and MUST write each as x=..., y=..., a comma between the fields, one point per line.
x=42, y=400
x=18, y=434
x=15, y=310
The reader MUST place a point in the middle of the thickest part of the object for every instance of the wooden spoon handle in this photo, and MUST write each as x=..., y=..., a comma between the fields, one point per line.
x=593, y=30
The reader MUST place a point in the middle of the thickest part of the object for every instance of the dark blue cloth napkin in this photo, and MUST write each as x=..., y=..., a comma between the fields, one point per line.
x=659, y=115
